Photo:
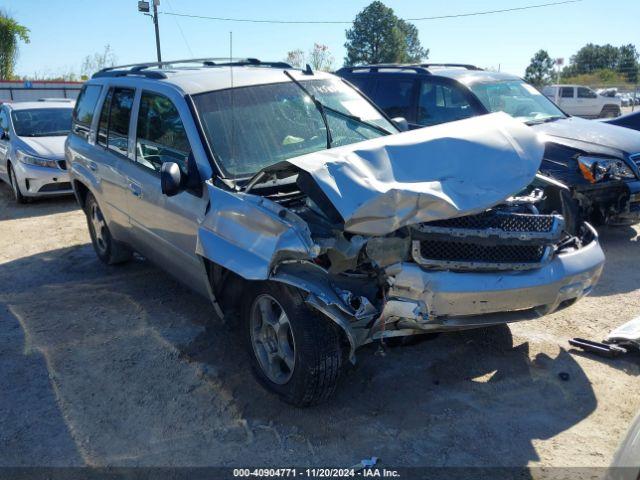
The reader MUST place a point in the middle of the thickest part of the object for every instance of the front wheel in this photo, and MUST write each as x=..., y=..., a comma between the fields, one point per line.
x=295, y=351
x=107, y=249
x=15, y=188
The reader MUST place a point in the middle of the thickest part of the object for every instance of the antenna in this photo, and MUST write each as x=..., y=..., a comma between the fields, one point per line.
x=233, y=110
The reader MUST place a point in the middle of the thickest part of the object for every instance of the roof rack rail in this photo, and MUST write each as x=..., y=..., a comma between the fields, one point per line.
x=457, y=65
x=379, y=66
x=142, y=69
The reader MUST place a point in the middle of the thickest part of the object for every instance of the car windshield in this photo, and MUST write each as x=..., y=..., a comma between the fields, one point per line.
x=518, y=99
x=250, y=128
x=42, y=122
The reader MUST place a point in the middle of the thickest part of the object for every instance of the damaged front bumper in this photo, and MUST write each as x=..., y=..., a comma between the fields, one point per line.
x=422, y=300
x=616, y=203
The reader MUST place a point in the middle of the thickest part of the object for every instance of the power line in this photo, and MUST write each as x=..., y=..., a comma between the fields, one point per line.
x=340, y=22
x=181, y=32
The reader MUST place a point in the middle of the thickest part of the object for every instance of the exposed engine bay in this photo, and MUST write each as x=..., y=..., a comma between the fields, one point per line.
x=384, y=251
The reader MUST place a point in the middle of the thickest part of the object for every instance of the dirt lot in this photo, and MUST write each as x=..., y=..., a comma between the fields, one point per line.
x=123, y=366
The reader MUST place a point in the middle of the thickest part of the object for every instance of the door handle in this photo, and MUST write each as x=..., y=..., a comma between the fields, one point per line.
x=135, y=189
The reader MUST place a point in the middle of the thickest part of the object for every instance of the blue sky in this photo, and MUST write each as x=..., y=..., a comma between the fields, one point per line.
x=63, y=32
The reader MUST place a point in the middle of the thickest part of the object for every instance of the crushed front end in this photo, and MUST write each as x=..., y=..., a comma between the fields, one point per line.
x=386, y=245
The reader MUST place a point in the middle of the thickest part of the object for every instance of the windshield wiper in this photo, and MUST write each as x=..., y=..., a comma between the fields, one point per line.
x=358, y=119
x=319, y=106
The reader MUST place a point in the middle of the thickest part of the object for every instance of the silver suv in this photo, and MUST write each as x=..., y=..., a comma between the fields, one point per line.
x=292, y=202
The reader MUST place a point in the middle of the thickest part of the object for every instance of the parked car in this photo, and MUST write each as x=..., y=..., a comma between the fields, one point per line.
x=599, y=162
x=581, y=101
x=630, y=120
x=286, y=197
x=32, y=136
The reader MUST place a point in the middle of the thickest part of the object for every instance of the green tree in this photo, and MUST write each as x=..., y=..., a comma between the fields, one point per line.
x=540, y=70
x=379, y=36
x=595, y=57
x=11, y=32
x=628, y=62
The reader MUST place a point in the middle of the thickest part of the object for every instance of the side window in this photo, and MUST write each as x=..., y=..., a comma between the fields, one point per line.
x=84, y=110
x=394, y=96
x=584, y=92
x=119, y=117
x=161, y=136
x=4, y=120
x=442, y=103
x=566, y=92
x=365, y=85
x=103, y=126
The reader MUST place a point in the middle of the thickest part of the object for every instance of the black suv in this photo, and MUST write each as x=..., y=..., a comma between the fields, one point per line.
x=600, y=162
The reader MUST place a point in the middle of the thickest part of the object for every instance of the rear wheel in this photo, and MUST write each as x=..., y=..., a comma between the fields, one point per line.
x=17, y=194
x=107, y=249
x=295, y=351
x=610, y=111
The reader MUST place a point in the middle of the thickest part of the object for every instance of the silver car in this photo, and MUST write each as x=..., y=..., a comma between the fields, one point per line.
x=32, y=136
x=298, y=207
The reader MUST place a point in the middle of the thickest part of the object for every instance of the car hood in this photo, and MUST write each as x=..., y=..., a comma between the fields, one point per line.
x=455, y=169
x=586, y=134
x=48, y=147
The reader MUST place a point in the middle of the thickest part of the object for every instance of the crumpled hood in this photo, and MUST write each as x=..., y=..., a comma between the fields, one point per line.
x=454, y=169
x=594, y=133
x=48, y=147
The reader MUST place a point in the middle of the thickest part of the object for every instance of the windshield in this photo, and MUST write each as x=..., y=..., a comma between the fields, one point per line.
x=42, y=122
x=518, y=99
x=250, y=128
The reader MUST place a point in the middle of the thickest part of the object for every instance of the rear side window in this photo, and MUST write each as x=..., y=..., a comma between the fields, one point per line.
x=395, y=96
x=161, y=136
x=113, y=131
x=566, y=92
x=586, y=93
x=85, y=107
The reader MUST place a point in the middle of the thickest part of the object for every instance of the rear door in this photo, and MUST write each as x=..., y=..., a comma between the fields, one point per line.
x=165, y=228
x=108, y=156
x=567, y=100
x=587, y=102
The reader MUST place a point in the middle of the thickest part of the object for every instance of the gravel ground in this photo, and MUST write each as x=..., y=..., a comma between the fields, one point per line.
x=123, y=366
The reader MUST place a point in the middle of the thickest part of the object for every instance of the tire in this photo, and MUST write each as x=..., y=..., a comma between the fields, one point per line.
x=610, y=111
x=300, y=359
x=15, y=188
x=107, y=249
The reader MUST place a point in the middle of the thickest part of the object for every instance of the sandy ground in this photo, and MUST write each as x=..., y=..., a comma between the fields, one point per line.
x=123, y=366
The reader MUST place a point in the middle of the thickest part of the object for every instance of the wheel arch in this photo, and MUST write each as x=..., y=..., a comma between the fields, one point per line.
x=307, y=278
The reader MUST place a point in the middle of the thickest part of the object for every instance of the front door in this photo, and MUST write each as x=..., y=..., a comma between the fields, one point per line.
x=165, y=228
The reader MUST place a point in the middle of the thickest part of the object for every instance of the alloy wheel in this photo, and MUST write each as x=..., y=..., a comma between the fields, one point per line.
x=272, y=339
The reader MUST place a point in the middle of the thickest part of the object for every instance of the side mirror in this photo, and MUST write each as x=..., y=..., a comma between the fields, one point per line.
x=170, y=179
x=401, y=123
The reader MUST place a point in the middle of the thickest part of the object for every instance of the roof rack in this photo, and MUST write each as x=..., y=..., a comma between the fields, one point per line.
x=456, y=65
x=142, y=69
x=379, y=66
x=418, y=68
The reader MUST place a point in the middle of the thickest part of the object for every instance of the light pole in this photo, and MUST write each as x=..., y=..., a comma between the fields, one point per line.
x=143, y=6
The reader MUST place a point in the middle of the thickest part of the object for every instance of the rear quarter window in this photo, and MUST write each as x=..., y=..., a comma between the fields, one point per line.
x=84, y=110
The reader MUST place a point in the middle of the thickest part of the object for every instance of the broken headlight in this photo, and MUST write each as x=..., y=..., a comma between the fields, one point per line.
x=598, y=169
